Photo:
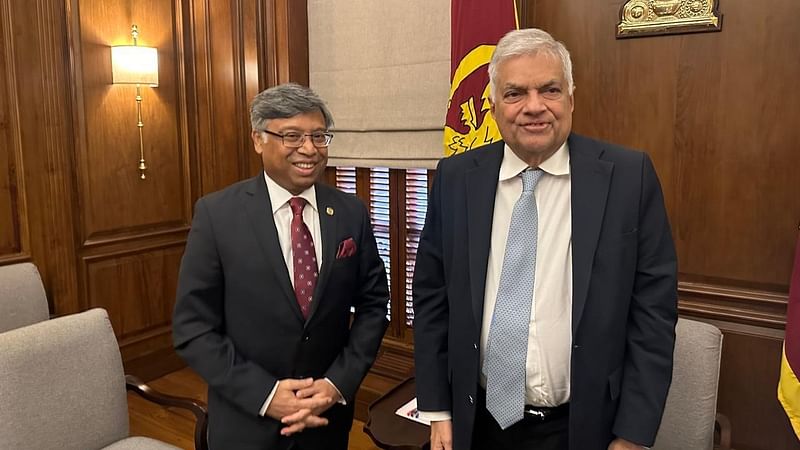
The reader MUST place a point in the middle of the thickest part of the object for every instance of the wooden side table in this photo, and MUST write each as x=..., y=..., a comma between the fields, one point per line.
x=390, y=431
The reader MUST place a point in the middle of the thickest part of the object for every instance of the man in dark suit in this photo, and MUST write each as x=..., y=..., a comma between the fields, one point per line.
x=273, y=266
x=545, y=285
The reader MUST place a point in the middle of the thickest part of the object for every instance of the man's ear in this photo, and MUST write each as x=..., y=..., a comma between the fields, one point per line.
x=572, y=99
x=257, y=138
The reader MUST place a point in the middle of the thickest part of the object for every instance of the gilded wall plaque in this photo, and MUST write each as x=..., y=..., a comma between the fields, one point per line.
x=649, y=17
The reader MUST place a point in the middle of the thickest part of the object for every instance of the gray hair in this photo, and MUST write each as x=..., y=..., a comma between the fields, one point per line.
x=284, y=101
x=529, y=41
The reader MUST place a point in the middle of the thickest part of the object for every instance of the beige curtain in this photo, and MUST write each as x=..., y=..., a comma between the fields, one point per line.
x=383, y=67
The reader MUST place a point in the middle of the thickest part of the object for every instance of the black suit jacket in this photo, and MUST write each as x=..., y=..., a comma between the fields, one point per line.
x=238, y=324
x=624, y=292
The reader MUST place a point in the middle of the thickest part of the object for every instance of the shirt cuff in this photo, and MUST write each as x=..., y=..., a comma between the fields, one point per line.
x=341, y=400
x=265, y=406
x=435, y=416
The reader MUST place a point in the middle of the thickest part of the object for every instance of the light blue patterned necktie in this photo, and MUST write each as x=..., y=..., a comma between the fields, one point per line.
x=507, y=347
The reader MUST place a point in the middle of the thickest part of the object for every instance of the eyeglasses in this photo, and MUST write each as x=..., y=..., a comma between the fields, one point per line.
x=294, y=139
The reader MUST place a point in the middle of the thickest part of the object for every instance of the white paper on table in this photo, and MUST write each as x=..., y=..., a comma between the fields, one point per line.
x=409, y=411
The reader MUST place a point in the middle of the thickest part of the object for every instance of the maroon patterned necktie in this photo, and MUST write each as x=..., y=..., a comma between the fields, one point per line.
x=303, y=256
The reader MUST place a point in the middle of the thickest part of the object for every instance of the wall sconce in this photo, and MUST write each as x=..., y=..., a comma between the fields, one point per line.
x=132, y=64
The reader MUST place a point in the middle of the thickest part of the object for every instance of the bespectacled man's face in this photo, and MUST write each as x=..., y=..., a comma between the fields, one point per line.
x=532, y=106
x=294, y=169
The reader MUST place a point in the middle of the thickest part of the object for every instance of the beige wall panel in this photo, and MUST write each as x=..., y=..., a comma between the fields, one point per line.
x=9, y=199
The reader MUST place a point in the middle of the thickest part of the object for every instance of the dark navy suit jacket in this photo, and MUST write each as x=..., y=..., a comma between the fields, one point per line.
x=624, y=292
x=237, y=322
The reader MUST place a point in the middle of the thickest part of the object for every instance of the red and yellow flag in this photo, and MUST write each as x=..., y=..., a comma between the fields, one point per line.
x=476, y=26
x=789, y=386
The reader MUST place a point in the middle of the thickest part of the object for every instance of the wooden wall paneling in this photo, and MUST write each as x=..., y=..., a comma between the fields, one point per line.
x=145, y=279
x=216, y=132
x=252, y=80
x=13, y=237
x=330, y=176
x=108, y=150
x=190, y=97
x=752, y=307
x=238, y=21
x=397, y=250
x=36, y=53
x=736, y=148
x=226, y=62
x=523, y=12
x=526, y=13
x=184, y=97
x=297, y=21
x=287, y=41
x=363, y=184
x=274, y=66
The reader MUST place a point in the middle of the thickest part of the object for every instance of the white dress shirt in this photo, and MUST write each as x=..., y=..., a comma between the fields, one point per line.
x=282, y=214
x=550, y=330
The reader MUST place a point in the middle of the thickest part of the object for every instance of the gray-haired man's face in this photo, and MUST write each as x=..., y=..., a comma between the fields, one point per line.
x=294, y=169
x=532, y=106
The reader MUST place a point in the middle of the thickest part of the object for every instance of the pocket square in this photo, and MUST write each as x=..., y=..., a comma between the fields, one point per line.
x=346, y=248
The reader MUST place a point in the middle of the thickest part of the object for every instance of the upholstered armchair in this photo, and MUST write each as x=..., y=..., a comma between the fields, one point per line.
x=22, y=297
x=63, y=388
x=690, y=417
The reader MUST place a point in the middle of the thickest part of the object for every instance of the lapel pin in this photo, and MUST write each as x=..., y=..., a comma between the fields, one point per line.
x=329, y=210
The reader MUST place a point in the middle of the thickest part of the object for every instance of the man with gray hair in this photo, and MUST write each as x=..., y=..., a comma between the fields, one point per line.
x=545, y=287
x=272, y=268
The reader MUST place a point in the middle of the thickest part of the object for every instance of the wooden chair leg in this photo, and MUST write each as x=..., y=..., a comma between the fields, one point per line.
x=722, y=428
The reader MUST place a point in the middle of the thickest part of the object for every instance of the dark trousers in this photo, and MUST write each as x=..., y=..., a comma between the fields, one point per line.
x=530, y=433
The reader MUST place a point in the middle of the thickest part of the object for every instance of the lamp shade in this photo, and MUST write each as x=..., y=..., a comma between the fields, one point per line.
x=131, y=64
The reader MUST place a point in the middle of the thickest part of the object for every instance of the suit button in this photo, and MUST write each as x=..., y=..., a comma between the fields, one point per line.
x=471, y=400
x=305, y=338
x=475, y=346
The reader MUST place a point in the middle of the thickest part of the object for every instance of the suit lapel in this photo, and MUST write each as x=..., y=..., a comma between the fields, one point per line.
x=591, y=178
x=259, y=211
x=481, y=187
x=328, y=222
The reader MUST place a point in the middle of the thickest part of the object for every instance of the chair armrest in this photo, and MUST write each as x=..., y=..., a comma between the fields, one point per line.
x=723, y=426
x=196, y=407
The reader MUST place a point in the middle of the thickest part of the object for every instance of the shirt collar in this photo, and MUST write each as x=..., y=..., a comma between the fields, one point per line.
x=280, y=196
x=556, y=164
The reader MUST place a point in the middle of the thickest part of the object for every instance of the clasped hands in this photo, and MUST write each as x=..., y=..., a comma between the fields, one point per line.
x=299, y=404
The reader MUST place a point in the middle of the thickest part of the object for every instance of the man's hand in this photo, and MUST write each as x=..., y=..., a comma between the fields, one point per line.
x=321, y=390
x=442, y=435
x=622, y=444
x=296, y=413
